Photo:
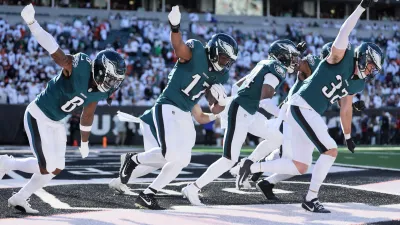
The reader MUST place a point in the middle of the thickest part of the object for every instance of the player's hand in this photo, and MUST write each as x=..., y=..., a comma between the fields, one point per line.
x=350, y=144
x=175, y=16
x=28, y=14
x=359, y=105
x=84, y=149
x=367, y=3
x=301, y=47
x=218, y=91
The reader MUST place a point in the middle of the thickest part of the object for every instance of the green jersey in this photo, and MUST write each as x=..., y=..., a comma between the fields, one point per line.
x=313, y=62
x=188, y=81
x=249, y=93
x=330, y=83
x=64, y=94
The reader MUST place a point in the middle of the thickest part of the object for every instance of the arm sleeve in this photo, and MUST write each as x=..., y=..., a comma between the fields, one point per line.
x=271, y=80
x=342, y=39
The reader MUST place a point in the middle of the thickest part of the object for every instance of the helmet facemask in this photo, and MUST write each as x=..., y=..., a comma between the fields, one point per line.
x=221, y=56
x=371, y=56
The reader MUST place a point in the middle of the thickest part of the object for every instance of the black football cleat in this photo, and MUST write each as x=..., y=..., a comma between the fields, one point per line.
x=267, y=189
x=314, y=206
x=147, y=201
x=127, y=167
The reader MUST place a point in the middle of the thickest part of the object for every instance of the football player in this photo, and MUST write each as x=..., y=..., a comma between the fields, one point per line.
x=337, y=78
x=198, y=68
x=260, y=84
x=81, y=83
x=149, y=132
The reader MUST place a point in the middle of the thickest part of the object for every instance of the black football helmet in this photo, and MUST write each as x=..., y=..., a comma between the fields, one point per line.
x=225, y=46
x=365, y=54
x=285, y=52
x=108, y=70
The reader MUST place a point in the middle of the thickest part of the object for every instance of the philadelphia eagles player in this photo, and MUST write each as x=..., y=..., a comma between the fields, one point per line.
x=197, y=69
x=149, y=132
x=81, y=83
x=337, y=78
x=260, y=84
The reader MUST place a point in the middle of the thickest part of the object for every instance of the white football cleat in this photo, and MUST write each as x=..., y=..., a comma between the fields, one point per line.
x=21, y=205
x=3, y=168
x=192, y=194
x=119, y=187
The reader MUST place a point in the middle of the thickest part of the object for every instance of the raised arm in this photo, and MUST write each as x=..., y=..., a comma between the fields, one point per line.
x=46, y=40
x=342, y=39
x=182, y=51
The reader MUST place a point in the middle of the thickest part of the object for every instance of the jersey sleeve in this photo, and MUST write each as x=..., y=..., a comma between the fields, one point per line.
x=358, y=86
x=313, y=62
x=81, y=68
x=194, y=45
x=277, y=70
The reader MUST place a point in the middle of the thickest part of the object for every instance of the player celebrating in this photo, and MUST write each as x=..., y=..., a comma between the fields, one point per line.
x=149, y=132
x=338, y=77
x=197, y=69
x=80, y=83
x=260, y=84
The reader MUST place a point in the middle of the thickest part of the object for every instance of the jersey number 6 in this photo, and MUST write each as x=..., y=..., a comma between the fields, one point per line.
x=72, y=104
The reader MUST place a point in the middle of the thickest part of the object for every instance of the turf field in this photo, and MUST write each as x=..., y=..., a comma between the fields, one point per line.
x=358, y=190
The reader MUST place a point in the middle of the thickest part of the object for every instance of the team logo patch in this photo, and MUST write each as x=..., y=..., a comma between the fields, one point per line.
x=190, y=43
x=310, y=60
x=280, y=70
x=75, y=60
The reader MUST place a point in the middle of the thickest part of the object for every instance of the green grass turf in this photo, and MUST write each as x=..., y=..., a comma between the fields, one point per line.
x=376, y=156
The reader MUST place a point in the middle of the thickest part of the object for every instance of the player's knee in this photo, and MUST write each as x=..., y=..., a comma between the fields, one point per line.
x=301, y=167
x=332, y=152
x=228, y=162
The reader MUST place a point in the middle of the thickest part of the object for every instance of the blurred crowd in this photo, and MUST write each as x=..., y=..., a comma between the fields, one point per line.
x=25, y=67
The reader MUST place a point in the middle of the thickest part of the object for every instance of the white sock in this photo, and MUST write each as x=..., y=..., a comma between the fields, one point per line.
x=142, y=170
x=169, y=172
x=262, y=150
x=152, y=157
x=282, y=166
x=214, y=171
x=276, y=178
x=321, y=169
x=36, y=182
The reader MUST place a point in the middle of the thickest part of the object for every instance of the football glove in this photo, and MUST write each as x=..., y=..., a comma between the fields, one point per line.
x=350, y=144
x=366, y=3
x=174, y=18
x=84, y=149
x=218, y=91
x=359, y=105
x=301, y=47
x=28, y=14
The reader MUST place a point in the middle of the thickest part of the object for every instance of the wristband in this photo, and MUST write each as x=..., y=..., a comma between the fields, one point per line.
x=174, y=28
x=85, y=128
x=347, y=136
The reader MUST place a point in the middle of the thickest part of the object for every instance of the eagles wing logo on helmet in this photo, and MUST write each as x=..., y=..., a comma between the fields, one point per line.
x=289, y=48
x=280, y=70
x=228, y=49
x=110, y=67
x=375, y=57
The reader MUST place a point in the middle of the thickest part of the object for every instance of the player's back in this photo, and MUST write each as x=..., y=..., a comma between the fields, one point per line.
x=63, y=94
x=330, y=82
x=249, y=93
x=188, y=81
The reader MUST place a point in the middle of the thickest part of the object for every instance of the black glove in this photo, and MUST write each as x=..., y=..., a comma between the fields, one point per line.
x=350, y=144
x=366, y=3
x=359, y=105
x=301, y=47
